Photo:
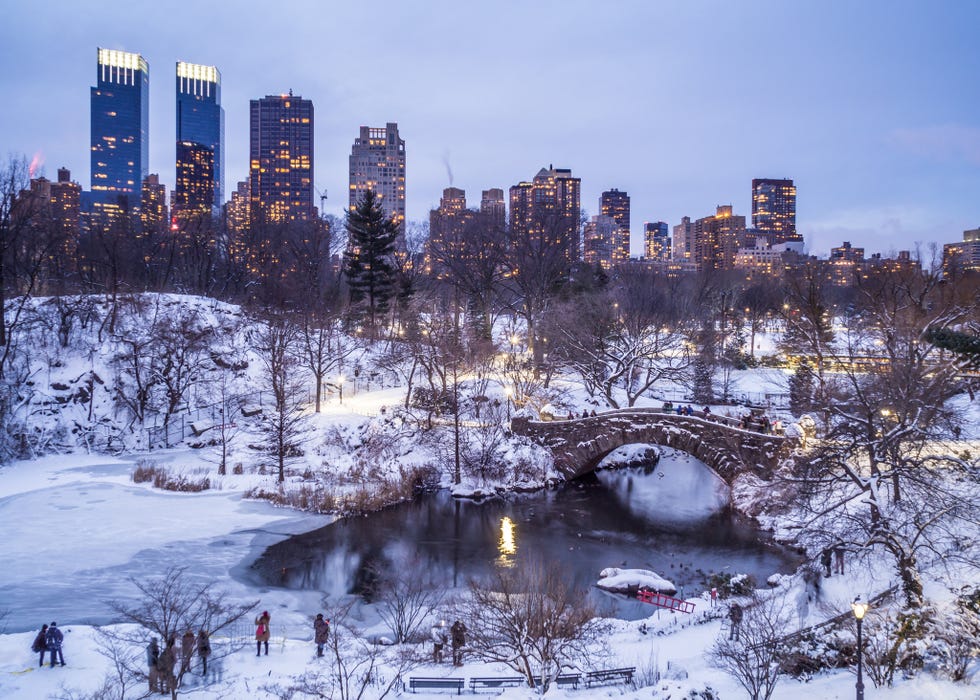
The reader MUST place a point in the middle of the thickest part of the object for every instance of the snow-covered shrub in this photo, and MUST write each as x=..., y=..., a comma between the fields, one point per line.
x=956, y=638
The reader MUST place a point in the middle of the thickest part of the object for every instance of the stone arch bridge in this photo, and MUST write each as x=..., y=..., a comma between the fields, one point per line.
x=579, y=444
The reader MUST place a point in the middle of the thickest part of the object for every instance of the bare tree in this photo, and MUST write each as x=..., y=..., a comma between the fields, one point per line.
x=275, y=342
x=168, y=606
x=325, y=348
x=530, y=619
x=405, y=593
x=753, y=656
x=357, y=669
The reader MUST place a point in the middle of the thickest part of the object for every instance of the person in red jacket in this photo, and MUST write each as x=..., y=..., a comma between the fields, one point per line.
x=262, y=633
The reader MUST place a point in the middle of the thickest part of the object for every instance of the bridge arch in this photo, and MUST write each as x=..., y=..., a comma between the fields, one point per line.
x=580, y=444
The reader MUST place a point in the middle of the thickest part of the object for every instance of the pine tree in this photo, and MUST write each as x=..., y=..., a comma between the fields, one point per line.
x=801, y=389
x=369, y=260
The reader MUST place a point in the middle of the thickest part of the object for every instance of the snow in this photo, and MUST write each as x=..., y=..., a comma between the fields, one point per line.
x=76, y=528
x=621, y=580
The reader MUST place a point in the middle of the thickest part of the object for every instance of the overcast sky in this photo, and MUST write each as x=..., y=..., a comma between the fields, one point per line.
x=871, y=107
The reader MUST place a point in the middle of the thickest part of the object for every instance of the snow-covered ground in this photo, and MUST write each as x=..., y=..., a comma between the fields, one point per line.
x=76, y=529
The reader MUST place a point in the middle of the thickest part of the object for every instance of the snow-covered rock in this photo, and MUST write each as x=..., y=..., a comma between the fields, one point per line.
x=622, y=580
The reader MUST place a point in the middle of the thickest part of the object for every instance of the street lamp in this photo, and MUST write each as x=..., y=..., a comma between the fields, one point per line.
x=859, y=609
x=340, y=387
x=509, y=391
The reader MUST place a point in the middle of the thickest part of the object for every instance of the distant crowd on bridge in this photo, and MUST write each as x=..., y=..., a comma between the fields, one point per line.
x=753, y=420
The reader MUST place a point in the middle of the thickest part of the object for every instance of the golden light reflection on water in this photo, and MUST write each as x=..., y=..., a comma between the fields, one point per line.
x=507, y=545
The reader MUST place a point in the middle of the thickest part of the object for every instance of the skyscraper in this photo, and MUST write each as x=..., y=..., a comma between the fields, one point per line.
x=683, y=241
x=120, y=107
x=656, y=241
x=717, y=239
x=281, y=159
x=153, y=204
x=600, y=238
x=546, y=210
x=774, y=210
x=447, y=226
x=193, y=197
x=377, y=163
x=200, y=129
x=494, y=208
x=616, y=204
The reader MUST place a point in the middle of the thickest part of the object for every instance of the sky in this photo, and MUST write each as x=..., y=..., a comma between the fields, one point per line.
x=871, y=107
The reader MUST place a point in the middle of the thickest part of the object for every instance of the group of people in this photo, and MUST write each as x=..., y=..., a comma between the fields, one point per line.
x=440, y=637
x=161, y=664
x=49, y=640
x=833, y=555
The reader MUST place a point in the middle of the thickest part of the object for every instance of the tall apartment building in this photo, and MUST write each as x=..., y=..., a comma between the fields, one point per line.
x=200, y=137
x=547, y=209
x=193, y=194
x=447, y=229
x=120, y=109
x=281, y=159
x=494, y=208
x=616, y=205
x=964, y=255
x=683, y=241
x=153, y=204
x=656, y=241
x=717, y=240
x=774, y=210
x=600, y=239
x=377, y=163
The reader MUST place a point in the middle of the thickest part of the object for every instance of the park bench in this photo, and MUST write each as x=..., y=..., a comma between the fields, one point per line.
x=499, y=682
x=572, y=679
x=442, y=683
x=610, y=675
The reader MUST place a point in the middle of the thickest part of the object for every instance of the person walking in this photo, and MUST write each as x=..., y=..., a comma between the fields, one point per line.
x=735, y=615
x=40, y=643
x=203, y=650
x=458, y=631
x=53, y=640
x=321, y=633
x=152, y=662
x=439, y=639
x=187, y=643
x=262, y=632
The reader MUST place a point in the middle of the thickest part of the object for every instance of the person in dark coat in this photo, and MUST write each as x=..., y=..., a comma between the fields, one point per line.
x=458, y=632
x=152, y=661
x=825, y=557
x=321, y=633
x=41, y=643
x=262, y=632
x=839, y=558
x=53, y=639
x=203, y=650
x=735, y=615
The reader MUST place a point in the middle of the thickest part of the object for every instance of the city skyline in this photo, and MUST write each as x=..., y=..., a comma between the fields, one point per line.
x=881, y=140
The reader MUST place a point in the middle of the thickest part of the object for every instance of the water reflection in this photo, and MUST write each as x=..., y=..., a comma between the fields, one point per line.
x=506, y=545
x=627, y=518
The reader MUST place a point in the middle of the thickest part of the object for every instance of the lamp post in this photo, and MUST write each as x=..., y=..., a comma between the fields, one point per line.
x=859, y=609
x=514, y=340
x=340, y=387
x=509, y=391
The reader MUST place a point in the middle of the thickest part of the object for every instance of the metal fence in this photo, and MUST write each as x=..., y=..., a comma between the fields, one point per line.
x=181, y=424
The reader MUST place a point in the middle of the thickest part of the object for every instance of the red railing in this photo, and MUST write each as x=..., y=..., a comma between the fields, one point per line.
x=665, y=601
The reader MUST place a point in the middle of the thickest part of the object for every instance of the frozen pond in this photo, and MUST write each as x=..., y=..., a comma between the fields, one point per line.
x=671, y=519
x=73, y=537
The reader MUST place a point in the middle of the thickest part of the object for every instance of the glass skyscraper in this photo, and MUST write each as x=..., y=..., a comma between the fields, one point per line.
x=120, y=105
x=281, y=159
x=774, y=210
x=200, y=129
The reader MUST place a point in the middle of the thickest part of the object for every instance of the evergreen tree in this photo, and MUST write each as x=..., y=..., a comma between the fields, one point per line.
x=369, y=263
x=801, y=389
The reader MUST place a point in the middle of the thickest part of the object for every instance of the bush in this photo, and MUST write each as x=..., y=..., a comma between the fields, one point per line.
x=162, y=479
